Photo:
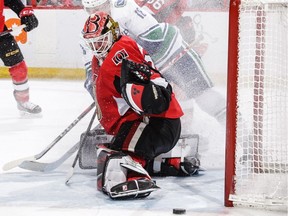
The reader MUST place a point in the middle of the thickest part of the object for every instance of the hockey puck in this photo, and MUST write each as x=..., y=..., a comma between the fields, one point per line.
x=179, y=211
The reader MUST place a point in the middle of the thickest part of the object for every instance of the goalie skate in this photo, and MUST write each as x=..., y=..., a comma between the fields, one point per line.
x=28, y=108
x=139, y=188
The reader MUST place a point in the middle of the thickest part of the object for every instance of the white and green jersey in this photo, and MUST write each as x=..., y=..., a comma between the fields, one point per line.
x=164, y=44
x=161, y=40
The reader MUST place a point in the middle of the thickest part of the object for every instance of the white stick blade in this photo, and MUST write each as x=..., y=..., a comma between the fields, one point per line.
x=15, y=163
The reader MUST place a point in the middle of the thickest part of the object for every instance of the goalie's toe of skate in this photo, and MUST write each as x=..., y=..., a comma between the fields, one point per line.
x=139, y=188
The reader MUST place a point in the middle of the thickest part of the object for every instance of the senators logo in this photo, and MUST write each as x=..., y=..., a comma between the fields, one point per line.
x=119, y=56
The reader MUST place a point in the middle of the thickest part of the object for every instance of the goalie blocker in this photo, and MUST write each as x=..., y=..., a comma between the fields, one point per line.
x=120, y=176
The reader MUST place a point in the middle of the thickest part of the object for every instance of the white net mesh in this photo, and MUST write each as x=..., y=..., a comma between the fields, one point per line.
x=262, y=102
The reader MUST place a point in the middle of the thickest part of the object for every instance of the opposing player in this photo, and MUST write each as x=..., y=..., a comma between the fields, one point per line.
x=135, y=103
x=171, y=11
x=164, y=43
x=12, y=57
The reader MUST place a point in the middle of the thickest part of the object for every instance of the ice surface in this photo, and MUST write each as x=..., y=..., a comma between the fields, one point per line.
x=29, y=193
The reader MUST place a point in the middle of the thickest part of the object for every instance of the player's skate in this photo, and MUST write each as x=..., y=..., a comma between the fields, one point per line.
x=25, y=107
x=29, y=108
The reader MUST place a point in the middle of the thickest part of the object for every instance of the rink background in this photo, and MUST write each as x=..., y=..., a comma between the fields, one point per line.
x=29, y=193
x=55, y=51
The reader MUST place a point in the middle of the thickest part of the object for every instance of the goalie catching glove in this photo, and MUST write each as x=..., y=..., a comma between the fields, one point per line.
x=121, y=177
x=142, y=93
x=134, y=72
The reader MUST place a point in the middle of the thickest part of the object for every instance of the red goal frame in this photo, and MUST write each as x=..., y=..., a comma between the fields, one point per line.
x=232, y=92
x=232, y=80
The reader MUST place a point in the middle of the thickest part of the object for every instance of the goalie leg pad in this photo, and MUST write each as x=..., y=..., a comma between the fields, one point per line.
x=175, y=167
x=112, y=172
x=138, y=188
x=103, y=156
x=182, y=160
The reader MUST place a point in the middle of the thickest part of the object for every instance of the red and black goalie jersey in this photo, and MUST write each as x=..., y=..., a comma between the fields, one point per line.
x=113, y=110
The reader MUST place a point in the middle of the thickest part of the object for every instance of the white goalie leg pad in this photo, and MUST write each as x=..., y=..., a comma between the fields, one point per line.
x=138, y=188
x=114, y=176
x=114, y=173
x=132, y=165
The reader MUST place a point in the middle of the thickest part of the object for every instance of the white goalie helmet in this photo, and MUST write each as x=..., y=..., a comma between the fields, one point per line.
x=91, y=6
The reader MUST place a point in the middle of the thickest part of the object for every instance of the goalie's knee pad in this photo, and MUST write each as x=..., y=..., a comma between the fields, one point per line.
x=113, y=169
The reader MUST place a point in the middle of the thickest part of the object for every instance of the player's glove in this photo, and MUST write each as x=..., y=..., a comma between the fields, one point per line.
x=132, y=72
x=28, y=18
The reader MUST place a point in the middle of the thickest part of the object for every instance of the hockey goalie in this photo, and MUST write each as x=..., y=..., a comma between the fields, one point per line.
x=135, y=105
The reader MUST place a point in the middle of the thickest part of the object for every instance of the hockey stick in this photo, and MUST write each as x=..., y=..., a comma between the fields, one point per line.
x=177, y=57
x=71, y=171
x=15, y=163
x=20, y=27
x=47, y=167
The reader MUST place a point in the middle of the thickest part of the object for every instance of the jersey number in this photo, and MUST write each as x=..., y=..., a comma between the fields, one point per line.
x=157, y=4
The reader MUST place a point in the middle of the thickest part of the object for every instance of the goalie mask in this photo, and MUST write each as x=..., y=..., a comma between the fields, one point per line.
x=92, y=6
x=100, y=32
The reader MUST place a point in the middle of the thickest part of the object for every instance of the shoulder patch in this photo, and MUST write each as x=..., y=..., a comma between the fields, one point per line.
x=120, y=3
x=119, y=56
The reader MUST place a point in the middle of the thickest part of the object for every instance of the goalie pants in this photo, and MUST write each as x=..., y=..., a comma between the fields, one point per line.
x=148, y=140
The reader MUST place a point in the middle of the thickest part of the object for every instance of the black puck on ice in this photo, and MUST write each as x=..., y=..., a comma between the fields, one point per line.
x=179, y=211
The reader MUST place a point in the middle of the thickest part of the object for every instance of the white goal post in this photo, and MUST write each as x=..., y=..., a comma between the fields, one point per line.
x=256, y=166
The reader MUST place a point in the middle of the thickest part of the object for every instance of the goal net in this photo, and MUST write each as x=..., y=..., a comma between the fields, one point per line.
x=257, y=104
